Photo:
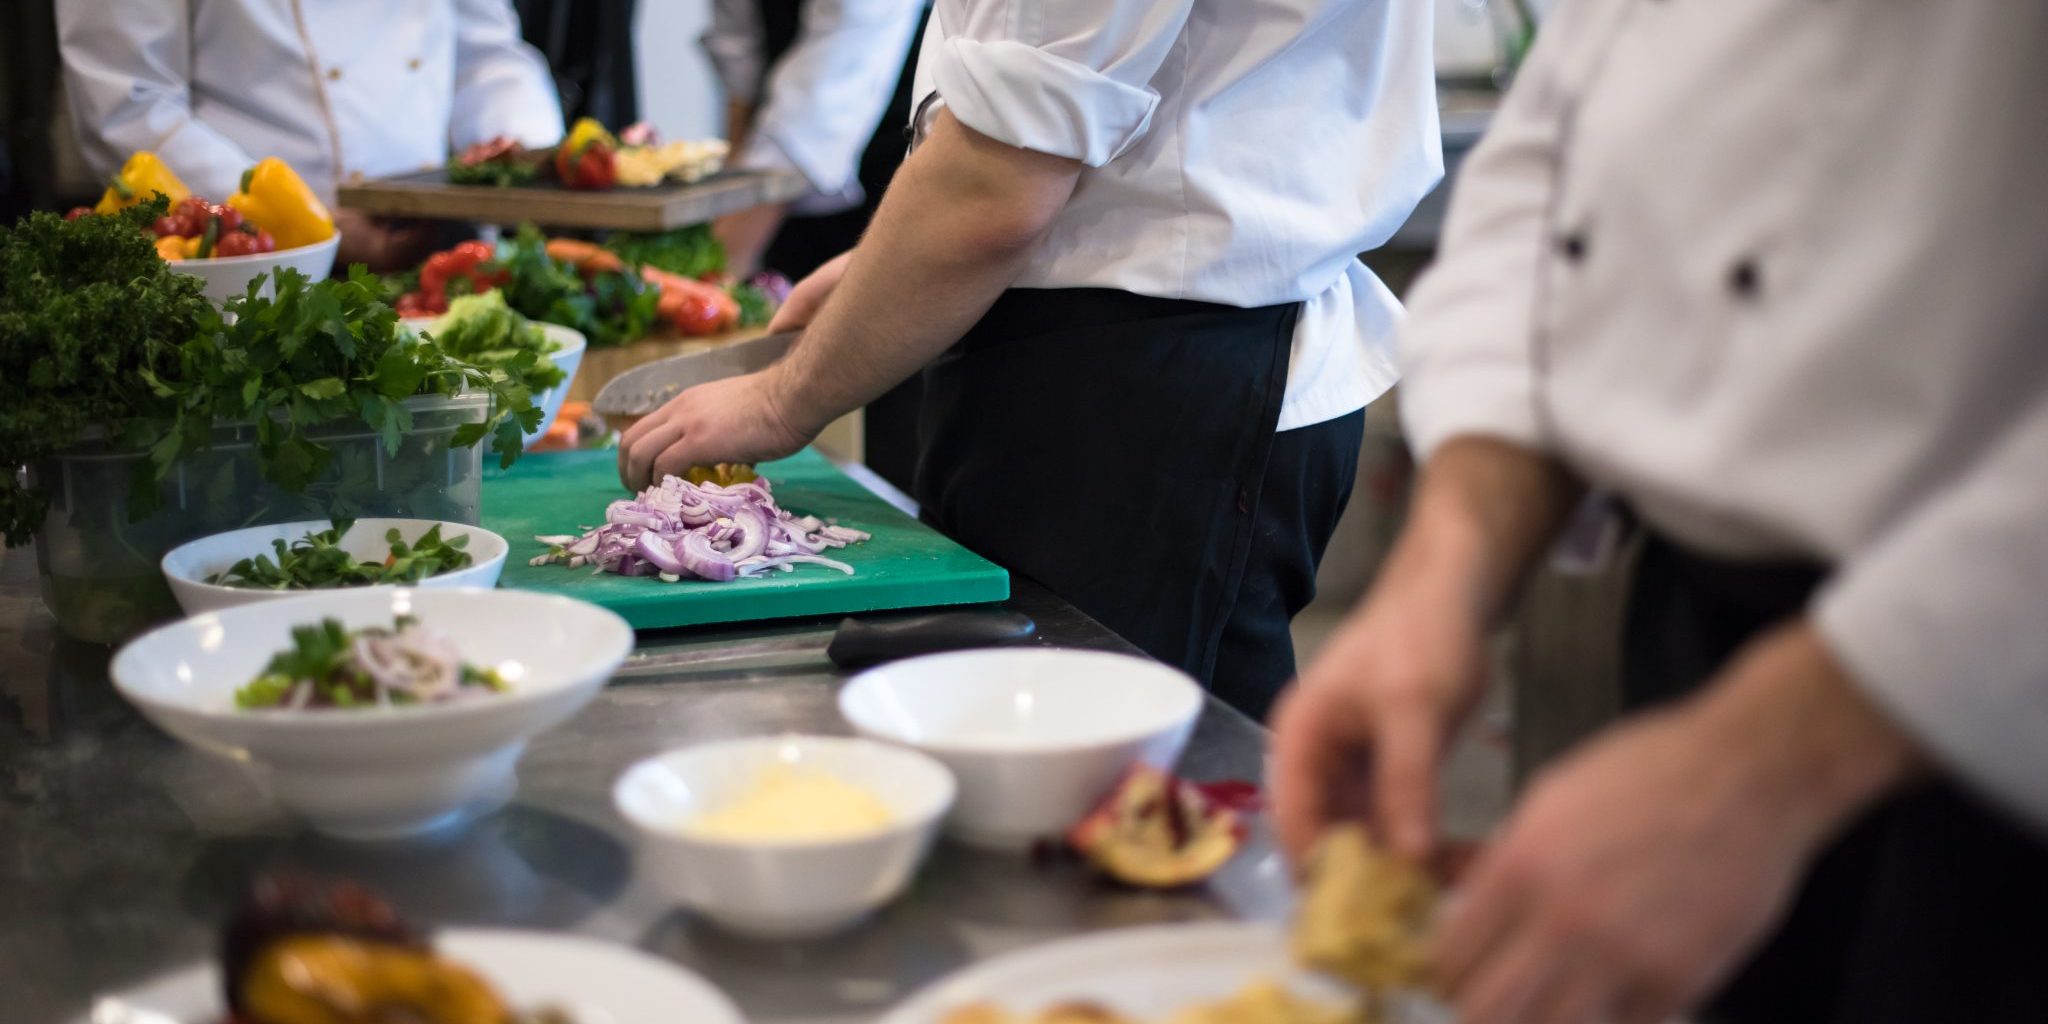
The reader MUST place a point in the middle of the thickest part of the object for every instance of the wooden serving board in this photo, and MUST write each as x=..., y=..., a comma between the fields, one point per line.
x=906, y=565
x=428, y=194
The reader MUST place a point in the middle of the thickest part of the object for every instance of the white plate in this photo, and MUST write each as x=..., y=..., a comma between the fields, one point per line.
x=598, y=982
x=1148, y=973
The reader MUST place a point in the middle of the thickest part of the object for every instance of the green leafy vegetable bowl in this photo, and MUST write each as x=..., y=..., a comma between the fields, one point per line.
x=314, y=558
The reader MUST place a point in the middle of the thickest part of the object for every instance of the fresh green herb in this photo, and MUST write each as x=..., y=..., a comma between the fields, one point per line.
x=610, y=309
x=501, y=173
x=318, y=561
x=691, y=252
x=756, y=308
x=86, y=307
x=322, y=669
x=484, y=331
x=315, y=354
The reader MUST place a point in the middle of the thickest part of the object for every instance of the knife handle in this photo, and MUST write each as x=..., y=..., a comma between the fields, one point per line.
x=858, y=644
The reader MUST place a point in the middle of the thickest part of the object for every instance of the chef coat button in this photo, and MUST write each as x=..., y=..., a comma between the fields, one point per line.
x=1573, y=246
x=334, y=74
x=1745, y=279
x=414, y=64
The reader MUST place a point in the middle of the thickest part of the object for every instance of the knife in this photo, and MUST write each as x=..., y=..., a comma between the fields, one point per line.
x=644, y=388
x=853, y=643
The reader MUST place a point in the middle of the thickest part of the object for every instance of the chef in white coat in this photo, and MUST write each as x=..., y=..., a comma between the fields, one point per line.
x=340, y=89
x=1770, y=276
x=807, y=86
x=1126, y=244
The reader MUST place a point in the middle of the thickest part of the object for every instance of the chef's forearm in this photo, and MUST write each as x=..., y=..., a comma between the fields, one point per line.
x=1484, y=511
x=956, y=227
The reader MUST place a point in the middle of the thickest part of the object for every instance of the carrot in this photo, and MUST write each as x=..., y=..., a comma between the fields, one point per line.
x=589, y=258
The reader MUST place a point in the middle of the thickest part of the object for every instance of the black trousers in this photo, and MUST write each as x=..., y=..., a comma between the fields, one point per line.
x=1120, y=450
x=1931, y=909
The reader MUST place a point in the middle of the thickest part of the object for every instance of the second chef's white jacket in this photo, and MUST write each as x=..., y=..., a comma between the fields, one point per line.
x=337, y=88
x=1238, y=153
x=818, y=106
x=1774, y=273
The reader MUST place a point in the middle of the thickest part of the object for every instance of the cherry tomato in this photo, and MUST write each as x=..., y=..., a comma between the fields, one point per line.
x=230, y=218
x=85, y=211
x=265, y=243
x=164, y=227
x=191, y=215
x=236, y=243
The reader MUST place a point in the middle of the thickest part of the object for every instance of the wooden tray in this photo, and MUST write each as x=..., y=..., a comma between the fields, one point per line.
x=428, y=194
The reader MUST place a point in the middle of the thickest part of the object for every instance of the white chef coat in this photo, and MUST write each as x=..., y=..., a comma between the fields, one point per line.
x=1775, y=273
x=824, y=97
x=337, y=88
x=1238, y=153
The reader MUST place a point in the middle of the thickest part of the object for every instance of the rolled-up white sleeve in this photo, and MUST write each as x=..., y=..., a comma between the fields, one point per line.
x=1944, y=620
x=502, y=85
x=826, y=96
x=1069, y=78
x=127, y=75
x=1466, y=357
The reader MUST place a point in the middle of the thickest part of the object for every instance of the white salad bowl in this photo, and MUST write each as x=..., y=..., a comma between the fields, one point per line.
x=228, y=276
x=369, y=773
x=1036, y=737
x=782, y=889
x=569, y=356
x=189, y=566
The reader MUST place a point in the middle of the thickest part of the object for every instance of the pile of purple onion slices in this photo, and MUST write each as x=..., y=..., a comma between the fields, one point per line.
x=678, y=530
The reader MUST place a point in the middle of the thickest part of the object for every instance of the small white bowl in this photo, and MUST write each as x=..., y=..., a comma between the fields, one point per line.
x=189, y=566
x=569, y=357
x=377, y=773
x=228, y=276
x=1035, y=737
x=785, y=889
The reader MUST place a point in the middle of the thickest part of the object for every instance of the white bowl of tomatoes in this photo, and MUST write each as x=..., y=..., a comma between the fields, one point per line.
x=216, y=244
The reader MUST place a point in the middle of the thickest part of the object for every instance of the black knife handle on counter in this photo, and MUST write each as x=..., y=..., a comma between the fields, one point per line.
x=858, y=644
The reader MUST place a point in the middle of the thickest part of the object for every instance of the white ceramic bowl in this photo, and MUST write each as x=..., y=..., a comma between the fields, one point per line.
x=188, y=566
x=782, y=889
x=1035, y=737
x=377, y=773
x=227, y=277
x=568, y=357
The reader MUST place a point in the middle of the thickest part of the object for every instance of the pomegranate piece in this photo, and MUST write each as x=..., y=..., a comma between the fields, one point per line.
x=1161, y=832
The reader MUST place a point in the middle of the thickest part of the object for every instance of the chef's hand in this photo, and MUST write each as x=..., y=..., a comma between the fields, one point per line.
x=1360, y=735
x=739, y=419
x=1635, y=874
x=810, y=294
x=1362, y=732
x=381, y=244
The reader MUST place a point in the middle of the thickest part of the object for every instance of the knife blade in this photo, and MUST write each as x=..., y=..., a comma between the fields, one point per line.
x=644, y=388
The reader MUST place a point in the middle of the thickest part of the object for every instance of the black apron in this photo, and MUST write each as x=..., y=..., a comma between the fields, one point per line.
x=1930, y=909
x=1120, y=450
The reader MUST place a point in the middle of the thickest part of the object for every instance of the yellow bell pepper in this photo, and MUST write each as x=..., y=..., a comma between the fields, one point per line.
x=141, y=177
x=171, y=248
x=276, y=199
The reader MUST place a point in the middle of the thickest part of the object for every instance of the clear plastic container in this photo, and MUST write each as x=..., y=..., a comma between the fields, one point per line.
x=100, y=573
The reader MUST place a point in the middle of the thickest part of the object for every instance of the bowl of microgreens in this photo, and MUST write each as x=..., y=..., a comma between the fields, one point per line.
x=267, y=562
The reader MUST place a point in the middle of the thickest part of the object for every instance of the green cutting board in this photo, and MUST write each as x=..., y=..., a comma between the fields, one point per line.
x=906, y=565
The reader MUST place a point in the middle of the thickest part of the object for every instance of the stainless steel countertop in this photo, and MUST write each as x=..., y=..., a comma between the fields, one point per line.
x=120, y=850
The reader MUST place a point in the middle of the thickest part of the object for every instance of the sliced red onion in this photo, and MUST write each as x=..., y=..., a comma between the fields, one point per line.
x=704, y=531
x=656, y=549
x=703, y=561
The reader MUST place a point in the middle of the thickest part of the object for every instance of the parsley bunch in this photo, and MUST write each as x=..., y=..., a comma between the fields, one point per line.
x=314, y=354
x=689, y=251
x=86, y=307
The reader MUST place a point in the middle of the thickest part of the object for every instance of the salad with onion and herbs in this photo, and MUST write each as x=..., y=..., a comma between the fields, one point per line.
x=317, y=561
x=328, y=666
